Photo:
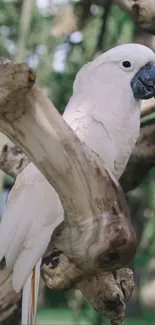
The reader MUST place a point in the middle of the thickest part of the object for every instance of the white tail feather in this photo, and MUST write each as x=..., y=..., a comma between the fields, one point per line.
x=30, y=296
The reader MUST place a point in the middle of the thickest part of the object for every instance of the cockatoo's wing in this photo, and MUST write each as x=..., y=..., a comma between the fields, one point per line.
x=30, y=255
x=33, y=211
x=12, y=222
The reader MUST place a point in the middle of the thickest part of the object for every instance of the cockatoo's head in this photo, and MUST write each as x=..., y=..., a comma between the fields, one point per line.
x=12, y=160
x=122, y=71
x=135, y=63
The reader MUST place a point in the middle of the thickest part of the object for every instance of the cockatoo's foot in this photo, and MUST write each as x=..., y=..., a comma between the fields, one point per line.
x=58, y=271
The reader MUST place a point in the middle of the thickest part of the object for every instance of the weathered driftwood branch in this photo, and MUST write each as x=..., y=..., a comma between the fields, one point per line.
x=9, y=299
x=137, y=160
x=142, y=12
x=92, y=199
x=148, y=107
x=93, y=202
x=107, y=293
x=142, y=158
x=97, y=289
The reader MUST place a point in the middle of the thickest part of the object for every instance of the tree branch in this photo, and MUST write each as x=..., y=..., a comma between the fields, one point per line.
x=10, y=301
x=20, y=100
x=108, y=292
x=72, y=169
x=148, y=107
x=142, y=158
x=100, y=291
x=92, y=200
x=142, y=12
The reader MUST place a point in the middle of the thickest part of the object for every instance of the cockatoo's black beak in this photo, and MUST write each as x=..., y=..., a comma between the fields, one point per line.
x=143, y=83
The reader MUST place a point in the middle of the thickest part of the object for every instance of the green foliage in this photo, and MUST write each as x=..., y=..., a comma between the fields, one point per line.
x=41, y=45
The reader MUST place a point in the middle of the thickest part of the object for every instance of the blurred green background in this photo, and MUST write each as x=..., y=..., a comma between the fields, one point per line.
x=55, y=38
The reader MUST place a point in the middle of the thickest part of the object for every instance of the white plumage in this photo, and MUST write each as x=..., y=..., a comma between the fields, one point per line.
x=32, y=212
x=103, y=111
x=105, y=115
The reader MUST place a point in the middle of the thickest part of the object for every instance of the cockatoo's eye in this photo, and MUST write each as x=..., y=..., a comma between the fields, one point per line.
x=126, y=64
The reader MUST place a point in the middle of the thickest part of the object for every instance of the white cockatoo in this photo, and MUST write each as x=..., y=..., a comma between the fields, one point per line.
x=104, y=111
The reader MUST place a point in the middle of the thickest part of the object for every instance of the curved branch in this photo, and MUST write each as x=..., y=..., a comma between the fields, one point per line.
x=108, y=293
x=148, y=107
x=10, y=301
x=97, y=234
x=142, y=158
x=91, y=197
x=142, y=12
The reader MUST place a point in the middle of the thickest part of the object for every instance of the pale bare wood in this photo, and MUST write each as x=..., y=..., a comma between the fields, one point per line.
x=142, y=12
x=97, y=221
x=91, y=197
x=108, y=293
x=148, y=107
x=9, y=299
